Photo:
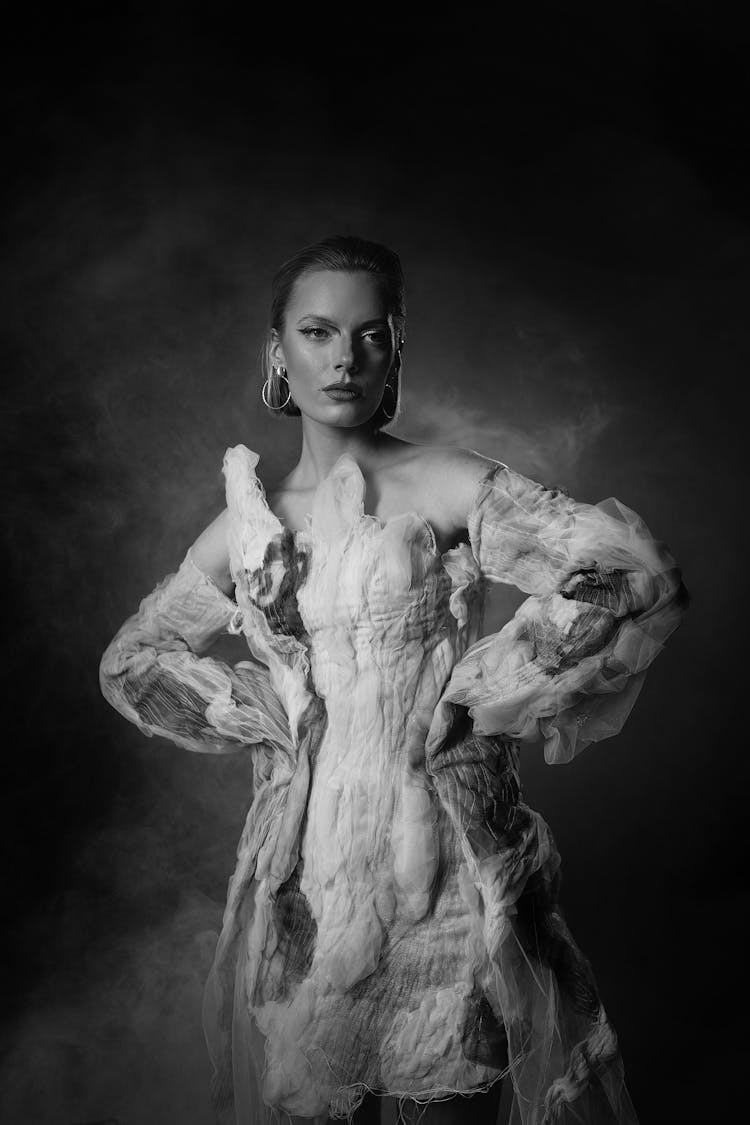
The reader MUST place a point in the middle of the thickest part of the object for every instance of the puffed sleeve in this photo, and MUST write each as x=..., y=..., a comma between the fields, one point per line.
x=604, y=597
x=154, y=671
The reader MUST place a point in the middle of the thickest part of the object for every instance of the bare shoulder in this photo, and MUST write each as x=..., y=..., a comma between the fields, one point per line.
x=455, y=474
x=210, y=552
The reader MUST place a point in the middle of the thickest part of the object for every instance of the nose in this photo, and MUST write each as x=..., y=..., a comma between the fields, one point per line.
x=346, y=360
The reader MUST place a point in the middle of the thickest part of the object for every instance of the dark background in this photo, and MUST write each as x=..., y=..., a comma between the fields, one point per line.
x=565, y=188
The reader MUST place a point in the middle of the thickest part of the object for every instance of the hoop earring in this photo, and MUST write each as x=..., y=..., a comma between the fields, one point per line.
x=281, y=372
x=390, y=417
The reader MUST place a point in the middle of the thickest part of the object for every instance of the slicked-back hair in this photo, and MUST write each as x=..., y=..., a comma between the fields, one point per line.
x=348, y=254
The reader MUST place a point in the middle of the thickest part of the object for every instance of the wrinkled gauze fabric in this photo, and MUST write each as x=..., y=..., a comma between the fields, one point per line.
x=393, y=922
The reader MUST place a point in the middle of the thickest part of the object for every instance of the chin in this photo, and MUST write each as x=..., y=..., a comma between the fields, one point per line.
x=345, y=414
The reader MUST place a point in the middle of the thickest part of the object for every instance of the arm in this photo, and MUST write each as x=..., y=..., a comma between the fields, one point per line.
x=154, y=671
x=605, y=596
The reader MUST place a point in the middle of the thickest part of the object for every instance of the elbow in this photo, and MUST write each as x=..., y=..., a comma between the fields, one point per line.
x=108, y=676
x=663, y=613
x=115, y=680
x=678, y=598
x=671, y=593
x=681, y=595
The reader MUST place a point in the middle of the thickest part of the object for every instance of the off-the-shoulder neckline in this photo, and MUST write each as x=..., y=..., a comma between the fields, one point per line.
x=365, y=517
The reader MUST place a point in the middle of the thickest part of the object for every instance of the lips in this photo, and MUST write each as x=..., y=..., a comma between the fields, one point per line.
x=342, y=387
x=342, y=394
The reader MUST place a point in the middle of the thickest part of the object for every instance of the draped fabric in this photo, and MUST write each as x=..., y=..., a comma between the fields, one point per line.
x=393, y=923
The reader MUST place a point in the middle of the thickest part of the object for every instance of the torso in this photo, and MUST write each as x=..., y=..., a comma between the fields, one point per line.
x=410, y=478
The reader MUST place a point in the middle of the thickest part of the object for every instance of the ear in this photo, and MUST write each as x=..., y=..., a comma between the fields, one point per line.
x=275, y=350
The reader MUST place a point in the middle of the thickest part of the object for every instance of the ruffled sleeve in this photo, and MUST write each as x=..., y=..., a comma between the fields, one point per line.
x=605, y=596
x=154, y=671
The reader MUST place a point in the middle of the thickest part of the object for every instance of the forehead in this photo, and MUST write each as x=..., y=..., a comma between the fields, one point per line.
x=337, y=295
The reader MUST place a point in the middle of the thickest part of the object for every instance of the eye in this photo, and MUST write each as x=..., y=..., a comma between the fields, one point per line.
x=315, y=332
x=378, y=336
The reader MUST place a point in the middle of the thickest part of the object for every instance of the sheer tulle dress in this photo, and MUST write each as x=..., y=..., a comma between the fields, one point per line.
x=393, y=922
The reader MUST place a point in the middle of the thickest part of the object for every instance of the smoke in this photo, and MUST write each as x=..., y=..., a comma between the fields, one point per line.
x=576, y=291
x=545, y=450
x=117, y=1035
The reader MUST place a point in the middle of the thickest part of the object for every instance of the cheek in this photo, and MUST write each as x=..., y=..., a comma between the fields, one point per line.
x=383, y=360
x=303, y=360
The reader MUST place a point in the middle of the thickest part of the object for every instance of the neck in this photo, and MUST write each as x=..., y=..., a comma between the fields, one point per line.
x=322, y=446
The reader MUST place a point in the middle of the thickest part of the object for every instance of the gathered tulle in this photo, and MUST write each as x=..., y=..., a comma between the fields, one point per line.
x=155, y=674
x=605, y=597
x=393, y=922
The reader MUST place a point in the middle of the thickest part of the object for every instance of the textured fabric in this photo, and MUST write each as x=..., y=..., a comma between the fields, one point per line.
x=393, y=922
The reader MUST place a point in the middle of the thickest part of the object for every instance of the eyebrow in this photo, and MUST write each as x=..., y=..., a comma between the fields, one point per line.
x=326, y=320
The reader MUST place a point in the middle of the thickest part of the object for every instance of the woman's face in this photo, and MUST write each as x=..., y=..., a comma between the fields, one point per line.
x=336, y=330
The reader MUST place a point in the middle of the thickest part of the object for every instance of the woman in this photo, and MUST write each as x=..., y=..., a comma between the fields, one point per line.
x=393, y=925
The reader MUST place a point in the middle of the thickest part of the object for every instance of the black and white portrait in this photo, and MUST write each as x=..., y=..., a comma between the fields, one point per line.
x=373, y=499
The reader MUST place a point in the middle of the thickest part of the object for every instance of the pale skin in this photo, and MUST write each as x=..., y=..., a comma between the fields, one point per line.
x=337, y=329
